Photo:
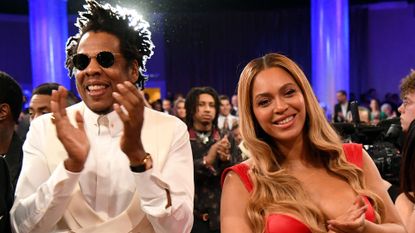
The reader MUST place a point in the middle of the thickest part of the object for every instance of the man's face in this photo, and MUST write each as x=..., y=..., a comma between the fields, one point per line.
x=341, y=98
x=39, y=105
x=235, y=101
x=205, y=110
x=166, y=105
x=95, y=83
x=225, y=107
x=237, y=135
x=407, y=110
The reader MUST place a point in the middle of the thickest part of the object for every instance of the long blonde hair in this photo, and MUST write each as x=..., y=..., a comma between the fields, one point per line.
x=274, y=189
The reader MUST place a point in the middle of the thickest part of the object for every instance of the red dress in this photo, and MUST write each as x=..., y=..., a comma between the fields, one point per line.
x=280, y=223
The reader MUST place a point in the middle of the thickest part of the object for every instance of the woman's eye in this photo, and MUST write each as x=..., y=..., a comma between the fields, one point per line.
x=290, y=92
x=263, y=102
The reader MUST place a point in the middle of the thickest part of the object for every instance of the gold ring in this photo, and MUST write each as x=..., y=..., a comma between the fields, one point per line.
x=52, y=116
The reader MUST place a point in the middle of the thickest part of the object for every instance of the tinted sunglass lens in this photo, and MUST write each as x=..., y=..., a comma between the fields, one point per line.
x=80, y=61
x=105, y=59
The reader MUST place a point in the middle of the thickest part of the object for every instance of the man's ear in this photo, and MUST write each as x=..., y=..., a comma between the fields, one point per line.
x=4, y=111
x=134, y=71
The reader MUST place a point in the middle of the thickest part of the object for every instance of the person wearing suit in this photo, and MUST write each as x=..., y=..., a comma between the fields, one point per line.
x=106, y=164
x=11, y=100
x=341, y=108
x=6, y=197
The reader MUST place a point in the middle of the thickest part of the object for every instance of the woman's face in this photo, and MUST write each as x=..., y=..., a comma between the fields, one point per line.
x=278, y=104
x=374, y=105
x=180, y=110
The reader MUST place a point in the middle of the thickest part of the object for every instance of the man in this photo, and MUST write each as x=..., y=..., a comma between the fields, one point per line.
x=407, y=108
x=107, y=164
x=166, y=105
x=342, y=107
x=226, y=120
x=405, y=202
x=234, y=101
x=11, y=100
x=211, y=155
x=40, y=102
x=41, y=97
x=6, y=197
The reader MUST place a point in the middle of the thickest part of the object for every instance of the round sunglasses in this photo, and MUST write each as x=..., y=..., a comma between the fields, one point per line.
x=105, y=59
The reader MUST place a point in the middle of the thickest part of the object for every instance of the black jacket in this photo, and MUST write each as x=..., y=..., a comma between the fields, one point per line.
x=6, y=197
x=338, y=115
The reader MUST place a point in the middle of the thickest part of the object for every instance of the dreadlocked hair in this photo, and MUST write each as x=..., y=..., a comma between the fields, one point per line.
x=130, y=28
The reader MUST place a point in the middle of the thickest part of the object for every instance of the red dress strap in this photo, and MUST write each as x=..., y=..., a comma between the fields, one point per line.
x=353, y=152
x=242, y=171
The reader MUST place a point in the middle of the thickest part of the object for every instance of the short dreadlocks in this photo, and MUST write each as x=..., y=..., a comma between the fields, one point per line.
x=130, y=28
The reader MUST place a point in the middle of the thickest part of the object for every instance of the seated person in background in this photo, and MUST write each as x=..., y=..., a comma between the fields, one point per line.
x=225, y=120
x=236, y=133
x=405, y=202
x=157, y=105
x=11, y=101
x=11, y=155
x=387, y=109
x=6, y=197
x=40, y=102
x=364, y=115
x=375, y=114
x=299, y=178
x=107, y=164
x=342, y=107
x=166, y=105
x=211, y=155
x=41, y=97
x=179, y=109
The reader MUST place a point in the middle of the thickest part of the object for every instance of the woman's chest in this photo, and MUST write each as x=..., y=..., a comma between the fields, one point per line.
x=331, y=194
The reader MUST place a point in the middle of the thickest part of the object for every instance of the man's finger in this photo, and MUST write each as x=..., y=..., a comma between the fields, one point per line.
x=54, y=106
x=132, y=88
x=63, y=93
x=122, y=101
x=124, y=117
x=79, y=121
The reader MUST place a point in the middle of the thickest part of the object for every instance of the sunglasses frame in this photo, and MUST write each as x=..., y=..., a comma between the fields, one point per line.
x=99, y=57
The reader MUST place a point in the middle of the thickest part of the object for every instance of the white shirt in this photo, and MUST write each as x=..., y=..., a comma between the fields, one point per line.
x=344, y=109
x=106, y=181
x=230, y=118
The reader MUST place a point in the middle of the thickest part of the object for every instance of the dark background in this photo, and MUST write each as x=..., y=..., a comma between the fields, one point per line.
x=208, y=42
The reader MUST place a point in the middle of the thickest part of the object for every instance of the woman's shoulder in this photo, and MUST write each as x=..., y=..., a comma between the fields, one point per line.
x=403, y=200
x=241, y=171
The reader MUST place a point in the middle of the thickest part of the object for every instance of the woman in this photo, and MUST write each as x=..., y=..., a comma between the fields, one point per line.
x=297, y=178
x=179, y=109
x=375, y=114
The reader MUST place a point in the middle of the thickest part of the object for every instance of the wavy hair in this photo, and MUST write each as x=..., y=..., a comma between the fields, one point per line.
x=274, y=189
